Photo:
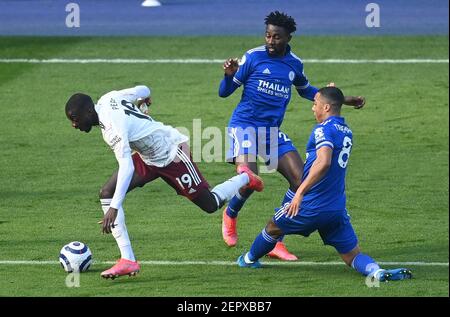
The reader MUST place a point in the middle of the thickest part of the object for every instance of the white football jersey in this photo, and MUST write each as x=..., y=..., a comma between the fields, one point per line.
x=125, y=128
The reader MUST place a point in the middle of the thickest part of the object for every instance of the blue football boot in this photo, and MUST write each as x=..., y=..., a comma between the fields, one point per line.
x=399, y=274
x=241, y=262
x=393, y=275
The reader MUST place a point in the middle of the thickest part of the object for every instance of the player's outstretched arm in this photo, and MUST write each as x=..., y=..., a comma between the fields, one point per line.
x=227, y=85
x=356, y=102
x=308, y=92
x=318, y=170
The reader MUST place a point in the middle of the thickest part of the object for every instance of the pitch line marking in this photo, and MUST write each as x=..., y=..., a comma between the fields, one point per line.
x=222, y=263
x=209, y=61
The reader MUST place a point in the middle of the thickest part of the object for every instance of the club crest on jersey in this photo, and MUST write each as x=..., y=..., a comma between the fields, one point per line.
x=291, y=75
x=319, y=135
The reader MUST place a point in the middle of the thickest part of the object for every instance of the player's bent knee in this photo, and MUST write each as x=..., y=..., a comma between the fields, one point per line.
x=106, y=192
x=273, y=230
x=294, y=183
x=207, y=202
x=209, y=208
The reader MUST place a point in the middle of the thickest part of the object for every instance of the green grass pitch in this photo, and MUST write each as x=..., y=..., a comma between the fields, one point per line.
x=397, y=183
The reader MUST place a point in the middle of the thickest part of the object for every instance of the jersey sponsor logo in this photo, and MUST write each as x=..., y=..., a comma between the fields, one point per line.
x=113, y=104
x=273, y=89
x=266, y=71
x=116, y=139
x=291, y=75
x=272, y=86
x=319, y=135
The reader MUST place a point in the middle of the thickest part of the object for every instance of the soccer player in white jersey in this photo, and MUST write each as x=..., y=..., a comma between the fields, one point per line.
x=160, y=151
x=267, y=74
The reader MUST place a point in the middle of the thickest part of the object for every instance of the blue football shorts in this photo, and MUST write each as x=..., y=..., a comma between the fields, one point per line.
x=266, y=143
x=334, y=227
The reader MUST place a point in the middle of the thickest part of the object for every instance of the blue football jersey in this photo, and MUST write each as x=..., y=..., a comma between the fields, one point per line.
x=329, y=193
x=267, y=84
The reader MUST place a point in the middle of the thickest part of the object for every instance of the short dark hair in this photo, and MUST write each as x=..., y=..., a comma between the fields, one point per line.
x=334, y=96
x=78, y=102
x=281, y=19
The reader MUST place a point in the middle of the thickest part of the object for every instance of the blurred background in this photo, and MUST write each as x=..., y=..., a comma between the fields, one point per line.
x=393, y=52
x=220, y=17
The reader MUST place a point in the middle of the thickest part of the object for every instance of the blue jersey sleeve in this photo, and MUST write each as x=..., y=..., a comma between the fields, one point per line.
x=245, y=69
x=323, y=137
x=303, y=86
x=227, y=86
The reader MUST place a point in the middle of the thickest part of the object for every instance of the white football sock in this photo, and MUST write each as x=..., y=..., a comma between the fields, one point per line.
x=120, y=232
x=229, y=188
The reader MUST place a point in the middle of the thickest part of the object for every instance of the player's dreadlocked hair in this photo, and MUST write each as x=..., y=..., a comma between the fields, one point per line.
x=281, y=19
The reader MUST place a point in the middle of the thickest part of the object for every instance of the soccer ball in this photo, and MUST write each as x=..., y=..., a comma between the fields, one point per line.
x=75, y=257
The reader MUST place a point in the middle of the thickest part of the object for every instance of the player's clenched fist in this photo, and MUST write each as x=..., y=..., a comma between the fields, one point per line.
x=230, y=66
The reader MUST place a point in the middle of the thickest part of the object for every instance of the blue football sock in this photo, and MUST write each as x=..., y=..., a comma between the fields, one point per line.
x=364, y=264
x=262, y=245
x=287, y=198
x=235, y=205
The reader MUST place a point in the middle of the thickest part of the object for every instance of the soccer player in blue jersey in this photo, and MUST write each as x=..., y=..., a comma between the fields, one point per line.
x=319, y=203
x=267, y=74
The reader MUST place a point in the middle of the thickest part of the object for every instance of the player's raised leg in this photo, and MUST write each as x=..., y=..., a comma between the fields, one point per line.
x=231, y=211
x=225, y=191
x=185, y=177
